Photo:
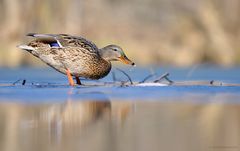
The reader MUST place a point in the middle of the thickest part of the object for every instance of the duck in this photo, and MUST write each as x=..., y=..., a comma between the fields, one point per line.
x=75, y=56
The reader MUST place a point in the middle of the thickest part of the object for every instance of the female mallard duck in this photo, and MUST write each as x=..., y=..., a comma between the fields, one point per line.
x=75, y=56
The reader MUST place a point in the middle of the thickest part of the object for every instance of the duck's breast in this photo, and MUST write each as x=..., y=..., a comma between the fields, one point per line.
x=90, y=67
x=80, y=62
x=83, y=63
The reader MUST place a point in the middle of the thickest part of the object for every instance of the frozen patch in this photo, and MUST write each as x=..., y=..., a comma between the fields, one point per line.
x=151, y=84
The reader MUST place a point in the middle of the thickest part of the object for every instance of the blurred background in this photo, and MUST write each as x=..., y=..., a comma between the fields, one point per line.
x=167, y=32
x=39, y=111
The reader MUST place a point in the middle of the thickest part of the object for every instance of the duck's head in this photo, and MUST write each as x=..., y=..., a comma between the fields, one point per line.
x=114, y=53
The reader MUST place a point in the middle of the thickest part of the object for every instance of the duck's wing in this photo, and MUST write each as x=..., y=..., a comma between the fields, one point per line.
x=46, y=39
x=64, y=40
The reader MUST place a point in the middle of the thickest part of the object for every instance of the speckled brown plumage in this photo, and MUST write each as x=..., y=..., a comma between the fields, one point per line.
x=79, y=56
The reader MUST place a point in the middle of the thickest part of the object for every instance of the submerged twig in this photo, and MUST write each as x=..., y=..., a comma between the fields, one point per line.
x=170, y=81
x=146, y=78
x=123, y=83
x=16, y=81
x=164, y=76
x=211, y=82
x=129, y=78
x=23, y=81
x=114, y=76
x=215, y=83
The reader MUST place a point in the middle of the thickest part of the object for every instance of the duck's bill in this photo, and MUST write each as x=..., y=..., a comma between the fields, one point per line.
x=125, y=60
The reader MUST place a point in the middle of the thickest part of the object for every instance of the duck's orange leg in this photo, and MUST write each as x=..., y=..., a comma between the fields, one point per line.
x=78, y=81
x=70, y=79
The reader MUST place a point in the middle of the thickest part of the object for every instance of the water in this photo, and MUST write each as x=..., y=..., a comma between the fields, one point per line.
x=49, y=115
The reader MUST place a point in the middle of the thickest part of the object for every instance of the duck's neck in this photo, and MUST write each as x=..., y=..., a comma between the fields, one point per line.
x=105, y=54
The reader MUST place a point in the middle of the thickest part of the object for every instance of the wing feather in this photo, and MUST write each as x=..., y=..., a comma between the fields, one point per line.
x=46, y=38
x=64, y=40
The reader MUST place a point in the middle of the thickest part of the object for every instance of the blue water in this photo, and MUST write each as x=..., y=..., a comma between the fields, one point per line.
x=206, y=72
x=47, y=114
x=47, y=85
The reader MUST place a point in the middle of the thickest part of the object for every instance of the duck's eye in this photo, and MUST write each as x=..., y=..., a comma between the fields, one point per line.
x=114, y=49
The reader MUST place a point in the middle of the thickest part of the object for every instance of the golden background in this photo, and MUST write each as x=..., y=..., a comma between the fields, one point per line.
x=174, y=32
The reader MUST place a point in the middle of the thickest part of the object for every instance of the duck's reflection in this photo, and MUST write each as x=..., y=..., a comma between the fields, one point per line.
x=73, y=115
x=106, y=125
x=56, y=121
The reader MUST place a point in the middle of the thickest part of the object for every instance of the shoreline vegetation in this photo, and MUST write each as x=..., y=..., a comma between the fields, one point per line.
x=181, y=33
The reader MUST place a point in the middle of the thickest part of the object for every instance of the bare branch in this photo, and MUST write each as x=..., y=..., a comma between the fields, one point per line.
x=146, y=78
x=164, y=76
x=129, y=78
x=23, y=82
x=114, y=76
x=16, y=81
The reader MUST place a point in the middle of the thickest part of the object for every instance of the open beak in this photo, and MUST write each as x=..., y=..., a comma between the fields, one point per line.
x=125, y=60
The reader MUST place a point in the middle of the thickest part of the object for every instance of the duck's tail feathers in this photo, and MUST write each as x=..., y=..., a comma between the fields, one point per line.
x=31, y=34
x=26, y=47
x=41, y=35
